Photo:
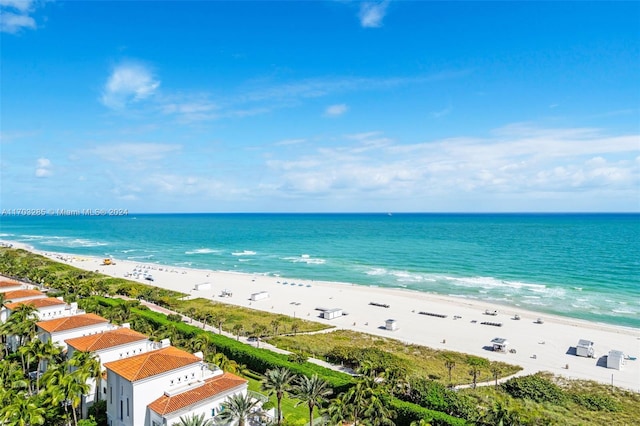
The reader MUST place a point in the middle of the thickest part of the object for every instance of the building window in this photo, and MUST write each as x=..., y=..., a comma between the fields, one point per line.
x=127, y=407
x=110, y=395
x=121, y=411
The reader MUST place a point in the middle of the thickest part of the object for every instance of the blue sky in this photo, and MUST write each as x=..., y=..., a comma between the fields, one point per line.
x=320, y=106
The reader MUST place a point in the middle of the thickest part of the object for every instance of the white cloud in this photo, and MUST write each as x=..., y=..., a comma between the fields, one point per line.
x=20, y=5
x=134, y=153
x=286, y=142
x=15, y=15
x=442, y=113
x=128, y=83
x=43, y=167
x=371, y=14
x=335, y=110
x=519, y=164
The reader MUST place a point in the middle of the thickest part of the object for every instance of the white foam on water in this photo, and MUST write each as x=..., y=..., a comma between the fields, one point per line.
x=71, y=243
x=305, y=258
x=376, y=271
x=202, y=251
x=243, y=253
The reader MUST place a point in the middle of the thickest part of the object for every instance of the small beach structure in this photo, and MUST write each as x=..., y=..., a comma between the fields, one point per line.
x=226, y=293
x=332, y=313
x=585, y=348
x=615, y=359
x=202, y=286
x=499, y=344
x=391, y=325
x=261, y=295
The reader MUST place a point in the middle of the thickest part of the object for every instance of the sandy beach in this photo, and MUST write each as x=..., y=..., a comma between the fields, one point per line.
x=546, y=346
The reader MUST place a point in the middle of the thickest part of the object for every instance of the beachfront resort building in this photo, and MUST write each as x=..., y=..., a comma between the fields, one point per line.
x=46, y=308
x=60, y=329
x=10, y=286
x=145, y=383
x=109, y=345
x=22, y=295
x=156, y=387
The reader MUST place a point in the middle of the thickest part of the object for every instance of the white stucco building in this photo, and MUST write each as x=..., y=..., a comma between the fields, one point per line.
x=46, y=308
x=202, y=397
x=10, y=286
x=60, y=329
x=109, y=345
x=22, y=295
x=157, y=378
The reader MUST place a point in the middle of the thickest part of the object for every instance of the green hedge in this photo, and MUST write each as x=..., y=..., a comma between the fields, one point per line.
x=406, y=412
x=261, y=360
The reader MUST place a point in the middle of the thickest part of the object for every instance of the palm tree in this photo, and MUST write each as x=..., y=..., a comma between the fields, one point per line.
x=218, y=320
x=74, y=386
x=339, y=410
x=90, y=365
x=259, y=330
x=225, y=363
x=194, y=420
x=22, y=411
x=476, y=366
x=275, y=324
x=237, y=409
x=199, y=343
x=22, y=323
x=278, y=381
x=312, y=391
x=47, y=352
x=237, y=330
x=191, y=312
x=205, y=318
x=449, y=365
x=295, y=327
x=495, y=370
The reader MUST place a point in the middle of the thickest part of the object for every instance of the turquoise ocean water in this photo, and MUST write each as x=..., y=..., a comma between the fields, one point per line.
x=576, y=265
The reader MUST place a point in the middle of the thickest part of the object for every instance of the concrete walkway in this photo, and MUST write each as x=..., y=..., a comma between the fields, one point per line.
x=248, y=341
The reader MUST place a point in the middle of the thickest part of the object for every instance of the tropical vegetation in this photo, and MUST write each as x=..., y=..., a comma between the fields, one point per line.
x=394, y=384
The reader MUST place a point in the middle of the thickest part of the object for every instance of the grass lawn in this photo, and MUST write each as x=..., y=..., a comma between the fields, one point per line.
x=248, y=318
x=419, y=360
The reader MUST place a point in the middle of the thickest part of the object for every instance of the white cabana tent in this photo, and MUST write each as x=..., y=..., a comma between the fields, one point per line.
x=260, y=295
x=332, y=313
x=203, y=286
x=615, y=359
x=499, y=344
x=585, y=348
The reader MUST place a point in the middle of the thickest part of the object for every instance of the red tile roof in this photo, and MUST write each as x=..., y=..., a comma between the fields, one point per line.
x=69, y=323
x=37, y=303
x=20, y=294
x=211, y=387
x=9, y=284
x=151, y=363
x=106, y=339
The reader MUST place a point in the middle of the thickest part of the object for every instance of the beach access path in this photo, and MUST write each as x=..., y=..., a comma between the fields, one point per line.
x=547, y=345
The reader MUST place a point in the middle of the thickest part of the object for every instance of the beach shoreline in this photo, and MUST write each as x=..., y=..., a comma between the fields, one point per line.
x=448, y=323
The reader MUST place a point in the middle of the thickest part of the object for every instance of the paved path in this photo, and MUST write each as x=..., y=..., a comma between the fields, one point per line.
x=263, y=345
